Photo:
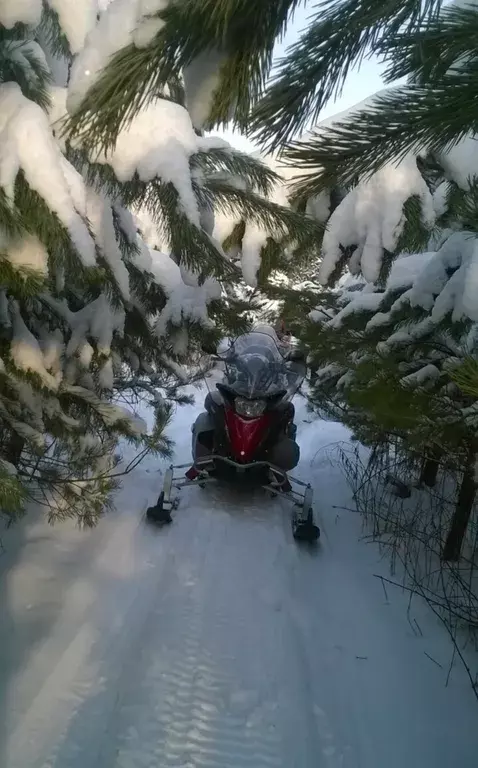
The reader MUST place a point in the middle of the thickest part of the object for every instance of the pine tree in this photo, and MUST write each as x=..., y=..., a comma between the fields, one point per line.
x=91, y=317
x=394, y=364
x=220, y=49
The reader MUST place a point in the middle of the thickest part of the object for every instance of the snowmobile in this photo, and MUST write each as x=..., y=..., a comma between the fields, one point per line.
x=246, y=433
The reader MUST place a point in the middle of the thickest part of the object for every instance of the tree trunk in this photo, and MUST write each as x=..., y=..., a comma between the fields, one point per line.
x=430, y=467
x=13, y=448
x=464, y=505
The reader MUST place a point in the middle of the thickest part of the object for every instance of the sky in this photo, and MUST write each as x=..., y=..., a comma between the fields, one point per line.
x=359, y=84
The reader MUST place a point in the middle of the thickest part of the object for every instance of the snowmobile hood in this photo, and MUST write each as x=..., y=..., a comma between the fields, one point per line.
x=245, y=435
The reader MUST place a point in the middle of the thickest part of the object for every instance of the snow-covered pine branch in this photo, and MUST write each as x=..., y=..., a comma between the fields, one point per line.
x=87, y=303
x=81, y=302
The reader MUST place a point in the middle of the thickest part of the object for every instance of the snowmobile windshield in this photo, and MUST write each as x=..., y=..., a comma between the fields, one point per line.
x=256, y=367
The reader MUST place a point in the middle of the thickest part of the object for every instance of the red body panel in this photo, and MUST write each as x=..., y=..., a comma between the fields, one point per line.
x=245, y=435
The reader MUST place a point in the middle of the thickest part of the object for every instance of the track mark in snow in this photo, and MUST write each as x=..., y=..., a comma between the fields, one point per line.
x=193, y=709
x=332, y=758
x=58, y=696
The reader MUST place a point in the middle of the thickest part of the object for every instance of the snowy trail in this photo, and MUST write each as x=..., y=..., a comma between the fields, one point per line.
x=218, y=643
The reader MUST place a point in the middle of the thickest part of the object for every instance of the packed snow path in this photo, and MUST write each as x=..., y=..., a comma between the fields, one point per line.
x=218, y=643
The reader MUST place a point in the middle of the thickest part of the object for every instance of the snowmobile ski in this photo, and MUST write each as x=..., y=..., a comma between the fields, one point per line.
x=160, y=513
x=280, y=484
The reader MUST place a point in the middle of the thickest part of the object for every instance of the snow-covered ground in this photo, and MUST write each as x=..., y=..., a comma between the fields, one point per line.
x=218, y=643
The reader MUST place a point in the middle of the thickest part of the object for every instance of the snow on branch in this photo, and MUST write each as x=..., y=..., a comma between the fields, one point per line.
x=97, y=319
x=20, y=12
x=110, y=413
x=362, y=302
x=29, y=433
x=408, y=275
x=449, y=282
x=26, y=254
x=123, y=23
x=25, y=136
x=77, y=20
x=182, y=301
x=201, y=80
x=157, y=143
x=26, y=352
x=100, y=216
x=426, y=375
x=371, y=217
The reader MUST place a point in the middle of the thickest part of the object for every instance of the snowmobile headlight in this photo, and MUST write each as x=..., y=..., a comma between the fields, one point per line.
x=251, y=409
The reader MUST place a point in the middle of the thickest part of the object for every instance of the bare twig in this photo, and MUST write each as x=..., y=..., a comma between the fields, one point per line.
x=432, y=659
